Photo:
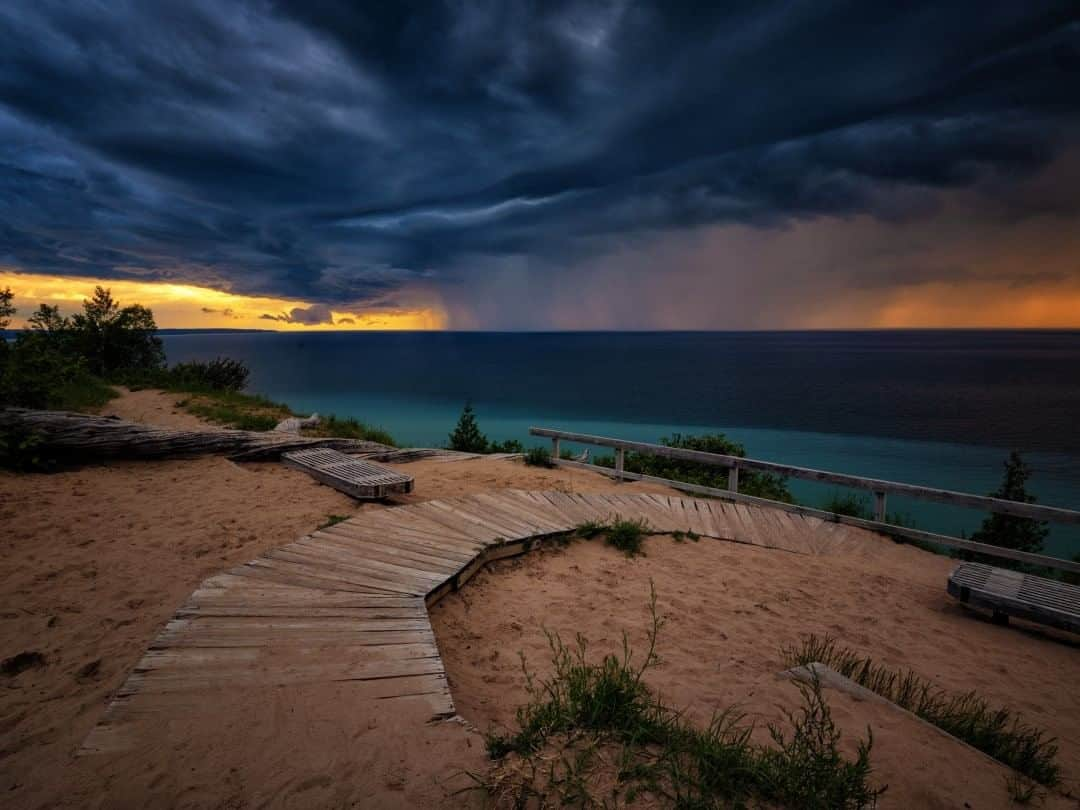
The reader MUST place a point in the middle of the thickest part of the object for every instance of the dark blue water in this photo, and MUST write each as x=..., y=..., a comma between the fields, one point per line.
x=940, y=408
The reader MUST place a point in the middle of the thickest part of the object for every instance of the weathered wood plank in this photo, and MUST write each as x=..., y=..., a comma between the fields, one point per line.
x=356, y=477
x=1056, y=604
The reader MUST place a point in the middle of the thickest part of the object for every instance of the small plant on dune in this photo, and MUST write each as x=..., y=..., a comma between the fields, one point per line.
x=1022, y=790
x=590, y=715
x=221, y=374
x=849, y=504
x=590, y=529
x=21, y=450
x=998, y=732
x=348, y=427
x=538, y=457
x=333, y=520
x=627, y=536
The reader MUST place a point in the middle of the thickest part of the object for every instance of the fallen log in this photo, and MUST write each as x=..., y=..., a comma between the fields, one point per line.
x=86, y=437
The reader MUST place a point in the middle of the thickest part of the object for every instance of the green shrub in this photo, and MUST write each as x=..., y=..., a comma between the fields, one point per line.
x=348, y=428
x=221, y=374
x=508, y=446
x=39, y=372
x=849, y=504
x=538, y=457
x=627, y=536
x=590, y=529
x=22, y=451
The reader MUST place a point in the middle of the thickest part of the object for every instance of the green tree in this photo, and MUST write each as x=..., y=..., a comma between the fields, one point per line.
x=7, y=309
x=113, y=338
x=1010, y=531
x=467, y=436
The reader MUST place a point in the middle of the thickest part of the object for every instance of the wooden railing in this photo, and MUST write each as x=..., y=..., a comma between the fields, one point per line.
x=881, y=489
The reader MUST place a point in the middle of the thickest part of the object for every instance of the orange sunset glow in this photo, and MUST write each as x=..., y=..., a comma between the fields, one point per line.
x=189, y=306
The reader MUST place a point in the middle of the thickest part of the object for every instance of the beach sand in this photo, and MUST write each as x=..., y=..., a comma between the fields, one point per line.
x=95, y=560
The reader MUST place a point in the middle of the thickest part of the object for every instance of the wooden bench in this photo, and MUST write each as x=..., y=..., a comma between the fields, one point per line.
x=1011, y=593
x=356, y=477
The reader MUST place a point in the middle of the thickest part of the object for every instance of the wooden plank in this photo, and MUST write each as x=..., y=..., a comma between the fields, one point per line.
x=507, y=511
x=547, y=517
x=485, y=512
x=573, y=509
x=445, y=545
x=485, y=535
x=392, y=550
x=388, y=549
x=404, y=580
x=319, y=576
x=471, y=512
x=356, y=477
x=558, y=508
x=413, y=520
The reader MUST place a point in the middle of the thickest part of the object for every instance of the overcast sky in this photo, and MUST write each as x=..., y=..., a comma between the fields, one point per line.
x=554, y=164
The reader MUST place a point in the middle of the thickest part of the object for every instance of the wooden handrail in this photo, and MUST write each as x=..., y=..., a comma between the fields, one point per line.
x=878, y=486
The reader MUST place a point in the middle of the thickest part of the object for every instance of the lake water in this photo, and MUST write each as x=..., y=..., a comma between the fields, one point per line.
x=940, y=408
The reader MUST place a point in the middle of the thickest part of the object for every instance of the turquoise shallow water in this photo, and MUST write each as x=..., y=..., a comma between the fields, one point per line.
x=765, y=392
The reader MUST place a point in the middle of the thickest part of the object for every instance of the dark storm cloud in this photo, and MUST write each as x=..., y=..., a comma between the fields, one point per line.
x=315, y=314
x=335, y=151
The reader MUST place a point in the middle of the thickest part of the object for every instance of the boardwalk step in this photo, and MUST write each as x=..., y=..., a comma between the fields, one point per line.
x=353, y=476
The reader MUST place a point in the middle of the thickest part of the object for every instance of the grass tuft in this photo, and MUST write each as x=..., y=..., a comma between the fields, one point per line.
x=999, y=732
x=236, y=410
x=589, y=715
x=590, y=529
x=538, y=457
x=333, y=520
x=348, y=428
x=625, y=535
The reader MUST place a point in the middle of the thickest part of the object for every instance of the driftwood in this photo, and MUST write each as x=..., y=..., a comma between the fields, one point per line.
x=295, y=423
x=83, y=437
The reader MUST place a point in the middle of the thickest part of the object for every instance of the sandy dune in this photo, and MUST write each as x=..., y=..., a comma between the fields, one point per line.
x=95, y=560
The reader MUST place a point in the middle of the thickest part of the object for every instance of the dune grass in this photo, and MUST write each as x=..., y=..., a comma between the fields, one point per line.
x=348, y=428
x=625, y=535
x=591, y=716
x=236, y=410
x=538, y=457
x=998, y=732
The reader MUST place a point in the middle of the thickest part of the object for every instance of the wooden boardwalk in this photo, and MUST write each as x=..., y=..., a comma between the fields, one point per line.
x=349, y=602
x=353, y=476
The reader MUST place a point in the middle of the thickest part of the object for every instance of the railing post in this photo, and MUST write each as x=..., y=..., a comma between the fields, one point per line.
x=555, y=448
x=620, y=457
x=733, y=478
x=879, y=507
